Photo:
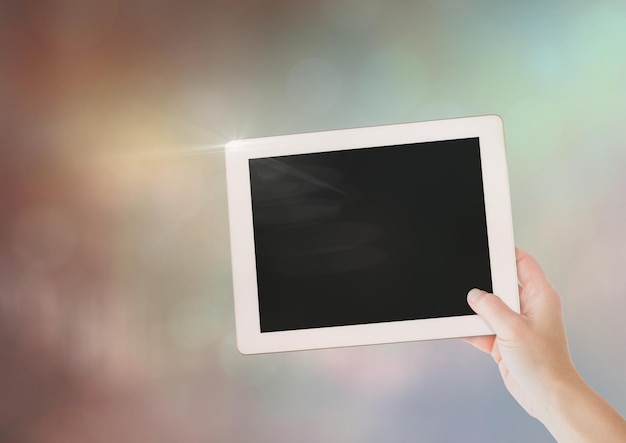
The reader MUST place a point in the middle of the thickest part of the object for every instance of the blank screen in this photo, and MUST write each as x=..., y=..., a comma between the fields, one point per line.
x=369, y=235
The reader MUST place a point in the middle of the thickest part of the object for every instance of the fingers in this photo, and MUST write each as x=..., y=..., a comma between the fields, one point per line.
x=493, y=310
x=528, y=270
x=482, y=342
x=536, y=293
x=487, y=344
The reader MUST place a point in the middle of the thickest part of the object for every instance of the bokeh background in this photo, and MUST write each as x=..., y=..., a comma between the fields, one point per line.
x=116, y=316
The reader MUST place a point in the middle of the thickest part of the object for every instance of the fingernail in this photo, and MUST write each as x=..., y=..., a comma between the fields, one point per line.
x=473, y=295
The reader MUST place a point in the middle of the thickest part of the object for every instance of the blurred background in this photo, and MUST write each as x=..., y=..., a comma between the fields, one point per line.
x=116, y=316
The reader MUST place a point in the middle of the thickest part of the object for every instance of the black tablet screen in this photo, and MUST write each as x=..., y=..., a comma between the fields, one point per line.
x=369, y=235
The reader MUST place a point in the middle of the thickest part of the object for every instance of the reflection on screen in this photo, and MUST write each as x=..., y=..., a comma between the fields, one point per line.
x=369, y=235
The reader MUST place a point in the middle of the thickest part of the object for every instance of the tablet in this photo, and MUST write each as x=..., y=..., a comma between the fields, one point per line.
x=369, y=235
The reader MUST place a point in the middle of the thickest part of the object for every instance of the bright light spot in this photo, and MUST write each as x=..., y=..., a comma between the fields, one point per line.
x=314, y=85
x=234, y=145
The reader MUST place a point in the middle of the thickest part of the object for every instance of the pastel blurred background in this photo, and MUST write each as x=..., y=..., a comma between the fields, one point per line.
x=116, y=313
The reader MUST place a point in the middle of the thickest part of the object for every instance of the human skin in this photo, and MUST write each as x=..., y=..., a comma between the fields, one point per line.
x=532, y=354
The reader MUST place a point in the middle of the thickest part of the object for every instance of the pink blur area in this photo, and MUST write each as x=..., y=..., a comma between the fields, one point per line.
x=106, y=221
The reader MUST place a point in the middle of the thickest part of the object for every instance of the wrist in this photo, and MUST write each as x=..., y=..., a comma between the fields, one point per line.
x=575, y=412
x=560, y=394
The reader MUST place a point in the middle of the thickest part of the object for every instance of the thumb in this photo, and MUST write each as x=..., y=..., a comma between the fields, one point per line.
x=493, y=310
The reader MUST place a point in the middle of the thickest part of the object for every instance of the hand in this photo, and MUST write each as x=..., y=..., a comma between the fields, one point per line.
x=530, y=348
x=531, y=351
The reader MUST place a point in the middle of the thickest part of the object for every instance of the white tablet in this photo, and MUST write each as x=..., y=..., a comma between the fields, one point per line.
x=369, y=235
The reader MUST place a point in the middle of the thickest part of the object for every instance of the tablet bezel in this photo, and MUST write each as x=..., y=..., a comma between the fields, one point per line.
x=489, y=130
